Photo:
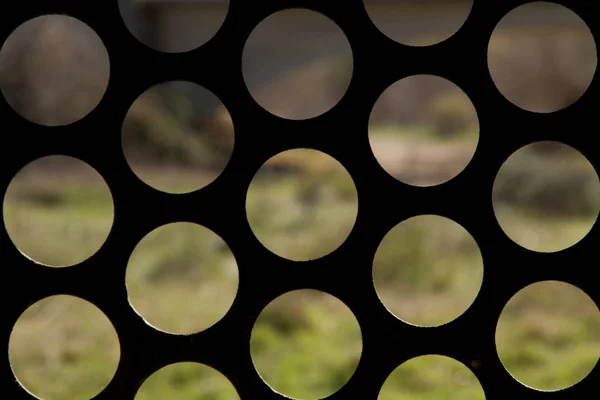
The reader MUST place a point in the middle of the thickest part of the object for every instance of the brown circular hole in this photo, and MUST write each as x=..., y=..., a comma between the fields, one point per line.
x=542, y=57
x=297, y=64
x=417, y=23
x=173, y=26
x=54, y=70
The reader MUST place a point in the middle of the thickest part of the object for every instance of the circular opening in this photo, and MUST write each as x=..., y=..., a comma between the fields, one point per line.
x=182, y=278
x=54, y=70
x=187, y=380
x=432, y=377
x=63, y=347
x=306, y=344
x=418, y=23
x=302, y=204
x=177, y=137
x=297, y=64
x=58, y=211
x=173, y=27
x=423, y=130
x=548, y=335
x=546, y=196
x=428, y=270
x=542, y=57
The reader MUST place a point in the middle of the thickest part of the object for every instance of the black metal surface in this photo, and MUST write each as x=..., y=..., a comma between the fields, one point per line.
x=341, y=133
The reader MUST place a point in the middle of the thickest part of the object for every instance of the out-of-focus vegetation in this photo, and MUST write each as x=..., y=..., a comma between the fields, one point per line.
x=295, y=334
x=308, y=216
x=293, y=323
x=548, y=335
x=176, y=258
x=60, y=215
x=55, y=202
x=63, y=347
x=162, y=131
x=188, y=381
x=555, y=196
x=431, y=377
x=441, y=270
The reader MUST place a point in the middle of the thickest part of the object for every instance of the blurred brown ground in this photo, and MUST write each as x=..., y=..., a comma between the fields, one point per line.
x=38, y=78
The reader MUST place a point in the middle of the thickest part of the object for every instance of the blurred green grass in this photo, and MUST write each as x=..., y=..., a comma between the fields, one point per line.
x=187, y=381
x=300, y=347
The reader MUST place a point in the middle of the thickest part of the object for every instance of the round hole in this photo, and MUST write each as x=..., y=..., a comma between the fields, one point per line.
x=58, y=211
x=182, y=278
x=302, y=204
x=548, y=335
x=417, y=23
x=306, y=344
x=173, y=26
x=423, y=130
x=428, y=270
x=546, y=63
x=187, y=380
x=546, y=196
x=177, y=137
x=432, y=377
x=63, y=347
x=54, y=70
x=297, y=64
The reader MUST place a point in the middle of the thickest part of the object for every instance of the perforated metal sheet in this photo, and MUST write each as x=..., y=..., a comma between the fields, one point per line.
x=341, y=133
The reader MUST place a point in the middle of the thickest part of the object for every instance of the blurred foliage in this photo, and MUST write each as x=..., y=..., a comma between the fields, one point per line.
x=545, y=347
x=546, y=181
x=64, y=339
x=163, y=129
x=187, y=381
x=181, y=257
x=431, y=377
x=308, y=345
x=453, y=114
x=426, y=239
x=432, y=258
x=306, y=217
x=294, y=335
x=57, y=199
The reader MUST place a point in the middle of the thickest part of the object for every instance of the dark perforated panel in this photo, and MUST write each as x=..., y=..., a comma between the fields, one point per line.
x=341, y=133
